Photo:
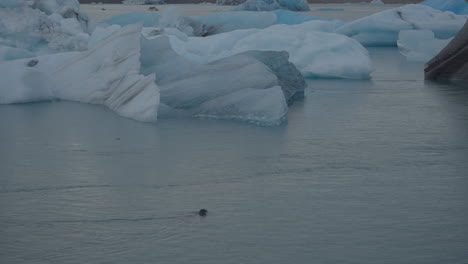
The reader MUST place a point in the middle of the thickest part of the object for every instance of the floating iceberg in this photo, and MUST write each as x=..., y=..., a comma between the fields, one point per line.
x=455, y=6
x=420, y=45
x=269, y=5
x=315, y=54
x=452, y=62
x=106, y=74
x=253, y=87
x=382, y=29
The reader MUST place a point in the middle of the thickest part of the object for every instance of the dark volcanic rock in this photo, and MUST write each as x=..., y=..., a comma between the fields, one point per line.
x=452, y=62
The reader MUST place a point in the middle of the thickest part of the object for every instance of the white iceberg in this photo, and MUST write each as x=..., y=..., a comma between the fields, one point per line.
x=107, y=74
x=315, y=53
x=253, y=87
x=382, y=29
x=420, y=45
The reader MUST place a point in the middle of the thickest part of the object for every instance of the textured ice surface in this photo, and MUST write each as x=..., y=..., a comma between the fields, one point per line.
x=382, y=29
x=242, y=87
x=269, y=5
x=315, y=53
x=42, y=27
x=107, y=74
x=456, y=6
x=420, y=45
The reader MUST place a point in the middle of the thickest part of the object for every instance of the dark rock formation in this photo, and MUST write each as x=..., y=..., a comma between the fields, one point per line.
x=452, y=62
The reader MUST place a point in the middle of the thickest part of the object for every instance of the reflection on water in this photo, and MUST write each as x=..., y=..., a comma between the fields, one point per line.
x=363, y=172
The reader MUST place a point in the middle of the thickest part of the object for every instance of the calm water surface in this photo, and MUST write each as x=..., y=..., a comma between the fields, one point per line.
x=363, y=172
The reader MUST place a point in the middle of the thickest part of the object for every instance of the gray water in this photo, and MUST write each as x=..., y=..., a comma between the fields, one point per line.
x=362, y=172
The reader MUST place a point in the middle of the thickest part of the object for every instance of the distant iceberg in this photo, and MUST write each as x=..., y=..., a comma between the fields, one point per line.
x=269, y=5
x=455, y=6
x=382, y=29
x=313, y=47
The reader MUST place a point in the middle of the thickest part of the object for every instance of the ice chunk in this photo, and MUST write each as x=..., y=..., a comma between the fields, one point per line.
x=377, y=2
x=456, y=6
x=189, y=86
x=294, y=18
x=382, y=29
x=452, y=62
x=315, y=54
x=107, y=74
x=420, y=45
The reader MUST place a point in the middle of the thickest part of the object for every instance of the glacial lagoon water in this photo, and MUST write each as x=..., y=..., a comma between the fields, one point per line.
x=363, y=172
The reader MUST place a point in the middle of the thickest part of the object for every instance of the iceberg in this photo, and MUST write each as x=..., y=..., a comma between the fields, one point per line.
x=255, y=86
x=106, y=74
x=455, y=6
x=316, y=54
x=229, y=2
x=420, y=45
x=382, y=29
x=269, y=5
x=452, y=62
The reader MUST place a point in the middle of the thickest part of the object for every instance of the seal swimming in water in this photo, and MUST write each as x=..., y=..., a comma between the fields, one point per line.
x=202, y=212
